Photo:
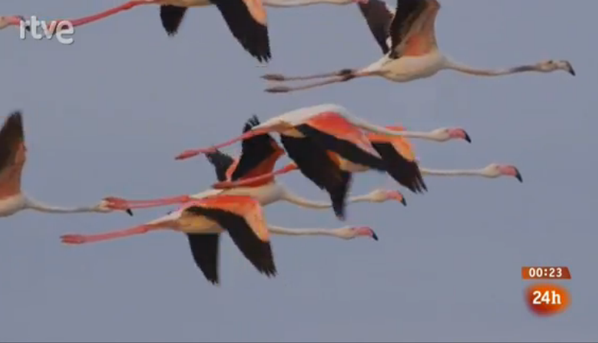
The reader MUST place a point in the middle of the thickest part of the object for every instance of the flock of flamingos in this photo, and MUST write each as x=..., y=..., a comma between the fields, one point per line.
x=327, y=143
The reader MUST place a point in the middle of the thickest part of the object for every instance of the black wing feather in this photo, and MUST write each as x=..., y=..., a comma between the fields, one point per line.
x=254, y=150
x=258, y=252
x=221, y=163
x=252, y=35
x=378, y=18
x=172, y=17
x=315, y=164
x=345, y=149
x=403, y=171
x=204, y=248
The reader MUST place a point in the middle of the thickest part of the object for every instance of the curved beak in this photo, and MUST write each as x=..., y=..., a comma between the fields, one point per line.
x=570, y=69
x=129, y=212
x=511, y=171
x=374, y=235
x=518, y=175
x=460, y=133
x=18, y=19
x=397, y=196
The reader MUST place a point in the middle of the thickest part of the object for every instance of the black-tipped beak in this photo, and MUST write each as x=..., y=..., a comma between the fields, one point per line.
x=571, y=71
x=129, y=212
x=403, y=201
x=518, y=175
x=27, y=27
x=374, y=236
x=467, y=138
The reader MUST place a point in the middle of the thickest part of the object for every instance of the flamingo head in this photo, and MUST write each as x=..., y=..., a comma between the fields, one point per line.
x=495, y=170
x=13, y=20
x=356, y=231
x=553, y=65
x=382, y=195
x=446, y=134
x=106, y=206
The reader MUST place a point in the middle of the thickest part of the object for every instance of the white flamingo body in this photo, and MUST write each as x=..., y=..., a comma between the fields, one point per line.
x=12, y=205
x=408, y=68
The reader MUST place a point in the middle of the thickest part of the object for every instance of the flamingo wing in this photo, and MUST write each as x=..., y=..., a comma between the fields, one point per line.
x=221, y=163
x=247, y=23
x=245, y=235
x=318, y=166
x=204, y=248
x=378, y=17
x=402, y=170
x=12, y=153
x=172, y=17
x=404, y=24
x=255, y=150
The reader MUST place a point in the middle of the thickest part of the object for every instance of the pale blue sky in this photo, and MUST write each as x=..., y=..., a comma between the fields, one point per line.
x=106, y=116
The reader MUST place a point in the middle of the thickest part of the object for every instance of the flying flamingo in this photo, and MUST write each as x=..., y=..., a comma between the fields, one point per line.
x=259, y=154
x=412, y=52
x=397, y=152
x=204, y=220
x=327, y=145
x=327, y=149
x=13, y=155
x=246, y=19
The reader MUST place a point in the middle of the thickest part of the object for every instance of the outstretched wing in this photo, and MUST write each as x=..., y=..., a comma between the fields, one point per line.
x=11, y=137
x=172, y=17
x=13, y=154
x=410, y=19
x=378, y=17
x=246, y=19
x=256, y=250
x=221, y=162
x=204, y=249
x=320, y=167
x=255, y=151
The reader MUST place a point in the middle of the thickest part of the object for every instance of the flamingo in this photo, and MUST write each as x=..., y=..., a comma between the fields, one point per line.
x=327, y=149
x=205, y=219
x=397, y=153
x=408, y=42
x=13, y=155
x=246, y=19
x=259, y=154
x=326, y=145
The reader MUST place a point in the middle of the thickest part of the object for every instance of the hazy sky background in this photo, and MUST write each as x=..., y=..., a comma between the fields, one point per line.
x=106, y=115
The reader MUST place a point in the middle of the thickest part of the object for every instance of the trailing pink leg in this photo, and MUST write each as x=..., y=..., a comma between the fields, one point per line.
x=121, y=204
x=81, y=239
